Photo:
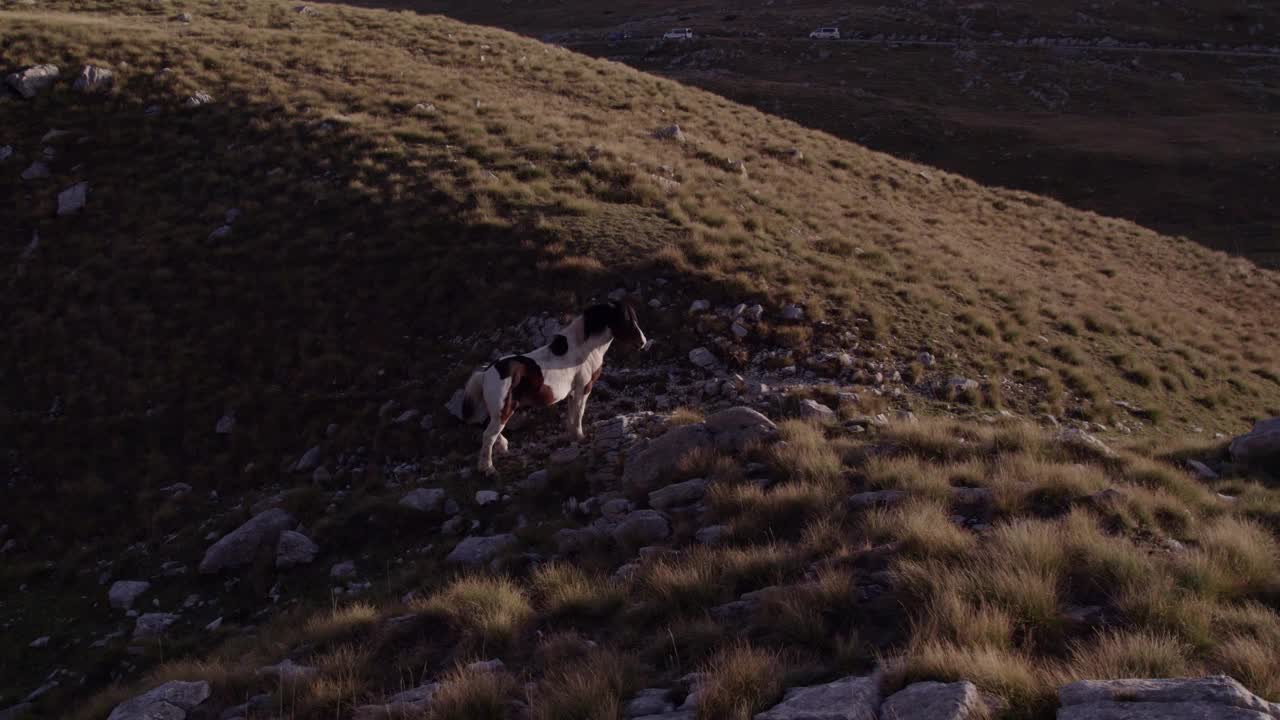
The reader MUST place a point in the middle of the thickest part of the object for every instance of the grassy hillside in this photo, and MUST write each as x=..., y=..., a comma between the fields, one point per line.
x=404, y=182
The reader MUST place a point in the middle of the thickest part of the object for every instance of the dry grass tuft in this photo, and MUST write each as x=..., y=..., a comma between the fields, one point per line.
x=472, y=695
x=564, y=589
x=493, y=610
x=740, y=682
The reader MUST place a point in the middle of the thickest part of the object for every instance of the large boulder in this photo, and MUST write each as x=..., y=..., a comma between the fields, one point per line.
x=239, y=546
x=934, y=701
x=730, y=430
x=642, y=527
x=479, y=550
x=851, y=698
x=1260, y=447
x=678, y=494
x=737, y=427
x=1212, y=698
x=124, y=592
x=28, y=83
x=647, y=467
x=170, y=701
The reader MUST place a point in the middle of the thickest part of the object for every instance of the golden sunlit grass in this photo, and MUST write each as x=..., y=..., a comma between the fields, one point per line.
x=493, y=610
x=341, y=623
x=564, y=589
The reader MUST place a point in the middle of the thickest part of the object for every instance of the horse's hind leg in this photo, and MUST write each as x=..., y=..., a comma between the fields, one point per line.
x=498, y=399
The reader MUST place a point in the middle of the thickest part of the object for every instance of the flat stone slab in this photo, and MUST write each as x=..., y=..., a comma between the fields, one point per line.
x=851, y=698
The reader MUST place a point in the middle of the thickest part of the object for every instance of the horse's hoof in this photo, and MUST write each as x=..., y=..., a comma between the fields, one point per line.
x=502, y=446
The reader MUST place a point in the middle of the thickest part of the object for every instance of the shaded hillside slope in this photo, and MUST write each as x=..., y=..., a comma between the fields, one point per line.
x=364, y=220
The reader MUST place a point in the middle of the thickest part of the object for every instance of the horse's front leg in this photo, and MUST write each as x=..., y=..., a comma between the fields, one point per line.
x=573, y=418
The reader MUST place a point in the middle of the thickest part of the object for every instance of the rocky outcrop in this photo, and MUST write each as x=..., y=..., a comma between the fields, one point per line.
x=851, y=698
x=729, y=430
x=646, y=468
x=170, y=701
x=1212, y=698
x=934, y=701
x=1259, y=447
x=240, y=545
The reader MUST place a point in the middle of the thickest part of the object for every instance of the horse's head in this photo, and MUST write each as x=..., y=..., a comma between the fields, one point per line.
x=619, y=318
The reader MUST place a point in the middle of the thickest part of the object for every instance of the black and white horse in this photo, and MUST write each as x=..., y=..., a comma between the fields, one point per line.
x=566, y=367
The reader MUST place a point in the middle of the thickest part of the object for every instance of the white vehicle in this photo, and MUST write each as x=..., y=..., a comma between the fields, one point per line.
x=679, y=34
x=827, y=33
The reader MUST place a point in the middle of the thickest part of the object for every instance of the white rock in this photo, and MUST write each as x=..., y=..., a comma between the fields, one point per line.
x=93, y=79
x=73, y=199
x=700, y=306
x=478, y=550
x=199, y=98
x=343, y=570
x=814, y=410
x=423, y=499
x=239, y=546
x=6, y=152
x=124, y=592
x=153, y=624
x=220, y=233
x=739, y=330
x=486, y=497
x=29, y=82
x=40, y=642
